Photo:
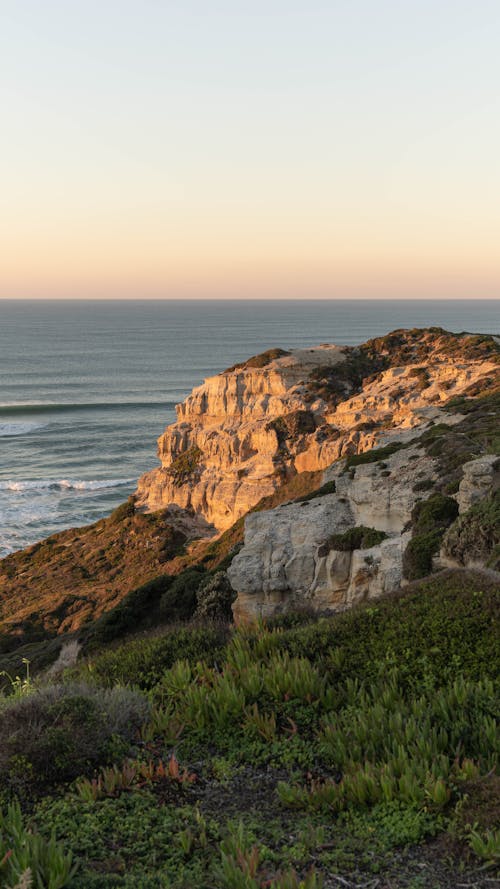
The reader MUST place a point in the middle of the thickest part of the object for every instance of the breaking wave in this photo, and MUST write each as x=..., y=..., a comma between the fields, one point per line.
x=8, y=429
x=65, y=484
x=72, y=407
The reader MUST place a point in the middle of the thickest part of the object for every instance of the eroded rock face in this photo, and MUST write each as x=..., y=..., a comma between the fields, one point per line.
x=480, y=477
x=288, y=558
x=473, y=539
x=243, y=432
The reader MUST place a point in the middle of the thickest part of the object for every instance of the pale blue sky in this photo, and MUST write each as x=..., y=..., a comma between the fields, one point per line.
x=278, y=148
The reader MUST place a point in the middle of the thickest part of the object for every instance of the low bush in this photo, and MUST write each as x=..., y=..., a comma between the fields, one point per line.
x=123, y=511
x=214, y=598
x=359, y=537
x=178, y=602
x=430, y=520
x=327, y=488
x=136, y=610
x=374, y=455
x=58, y=731
x=183, y=467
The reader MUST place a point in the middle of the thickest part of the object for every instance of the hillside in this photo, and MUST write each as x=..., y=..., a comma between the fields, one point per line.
x=344, y=732
x=357, y=750
x=73, y=579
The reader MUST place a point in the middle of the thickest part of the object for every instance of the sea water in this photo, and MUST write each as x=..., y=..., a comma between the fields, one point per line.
x=86, y=387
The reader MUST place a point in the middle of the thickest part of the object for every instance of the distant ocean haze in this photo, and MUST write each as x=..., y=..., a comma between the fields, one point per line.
x=86, y=387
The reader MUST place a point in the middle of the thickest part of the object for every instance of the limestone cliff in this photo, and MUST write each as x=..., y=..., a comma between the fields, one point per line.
x=244, y=432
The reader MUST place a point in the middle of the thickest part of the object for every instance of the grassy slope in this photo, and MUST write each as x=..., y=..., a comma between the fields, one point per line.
x=274, y=725
x=71, y=581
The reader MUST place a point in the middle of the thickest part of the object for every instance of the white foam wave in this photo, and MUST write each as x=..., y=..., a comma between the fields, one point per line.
x=64, y=484
x=31, y=403
x=7, y=429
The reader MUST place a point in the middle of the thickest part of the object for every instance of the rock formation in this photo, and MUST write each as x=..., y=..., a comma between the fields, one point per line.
x=290, y=557
x=246, y=430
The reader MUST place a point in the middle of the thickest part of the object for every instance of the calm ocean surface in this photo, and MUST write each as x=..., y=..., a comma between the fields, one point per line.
x=86, y=388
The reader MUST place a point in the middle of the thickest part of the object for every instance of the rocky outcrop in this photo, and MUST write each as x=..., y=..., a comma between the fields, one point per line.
x=480, y=478
x=241, y=434
x=473, y=540
x=290, y=559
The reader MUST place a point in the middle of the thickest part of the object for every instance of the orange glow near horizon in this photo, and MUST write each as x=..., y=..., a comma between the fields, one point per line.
x=281, y=150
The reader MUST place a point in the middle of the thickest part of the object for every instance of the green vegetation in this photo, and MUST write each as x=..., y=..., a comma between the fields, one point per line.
x=399, y=348
x=452, y=446
x=422, y=375
x=430, y=520
x=373, y=456
x=359, y=537
x=261, y=360
x=123, y=511
x=359, y=749
x=183, y=467
x=327, y=488
x=27, y=859
x=54, y=733
x=143, y=661
x=302, y=751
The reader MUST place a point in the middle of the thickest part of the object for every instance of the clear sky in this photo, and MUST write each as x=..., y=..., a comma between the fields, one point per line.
x=326, y=148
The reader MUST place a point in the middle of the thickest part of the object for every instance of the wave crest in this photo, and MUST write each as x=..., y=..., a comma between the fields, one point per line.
x=9, y=429
x=64, y=484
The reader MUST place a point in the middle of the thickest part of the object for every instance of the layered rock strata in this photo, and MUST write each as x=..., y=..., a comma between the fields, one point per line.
x=242, y=433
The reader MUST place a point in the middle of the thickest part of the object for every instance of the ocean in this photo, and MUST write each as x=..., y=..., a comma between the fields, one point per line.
x=86, y=387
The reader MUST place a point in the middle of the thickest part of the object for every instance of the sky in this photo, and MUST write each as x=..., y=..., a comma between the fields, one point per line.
x=250, y=148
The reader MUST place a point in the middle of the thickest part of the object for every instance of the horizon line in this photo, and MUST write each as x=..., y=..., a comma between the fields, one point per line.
x=262, y=299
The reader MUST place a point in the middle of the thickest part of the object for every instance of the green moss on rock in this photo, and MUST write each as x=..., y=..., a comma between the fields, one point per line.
x=359, y=537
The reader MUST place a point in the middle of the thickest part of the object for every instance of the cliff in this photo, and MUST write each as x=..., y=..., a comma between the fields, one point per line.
x=244, y=432
x=390, y=516
x=292, y=430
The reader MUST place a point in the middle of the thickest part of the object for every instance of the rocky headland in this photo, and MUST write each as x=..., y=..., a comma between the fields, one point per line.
x=300, y=478
x=244, y=432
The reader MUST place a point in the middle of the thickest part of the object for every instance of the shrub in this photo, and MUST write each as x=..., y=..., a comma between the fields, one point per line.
x=184, y=465
x=135, y=610
x=424, y=485
x=327, y=488
x=261, y=360
x=359, y=537
x=430, y=520
x=123, y=511
x=374, y=455
x=178, y=602
x=422, y=375
x=214, y=598
x=58, y=731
